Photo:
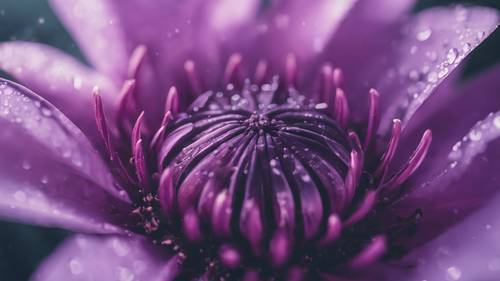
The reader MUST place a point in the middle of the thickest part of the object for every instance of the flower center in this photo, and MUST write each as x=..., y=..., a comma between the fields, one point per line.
x=258, y=176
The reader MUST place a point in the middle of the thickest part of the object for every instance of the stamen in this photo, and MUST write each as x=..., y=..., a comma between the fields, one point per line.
x=172, y=101
x=260, y=72
x=381, y=171
x=166, y=192
x=159, y=136
x=370, y=253
x=136, y=61
x=140, y=167
x=232, y=73
x=373, y=118
x=291, y=70
x=191, y=226
x=230, y=256
x=355, y=166
x=194, y=81
x=363, y=209
x=338, y=78
x=221, y=214
x=251, y=225
x=333, y=230
x=102, y=126
x=279, y=248
x=326, y=86
x=136, y=130
x=413, y=163
x=341, y=108
x=124, y=104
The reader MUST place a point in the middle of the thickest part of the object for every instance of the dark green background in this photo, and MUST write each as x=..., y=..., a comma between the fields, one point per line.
x=22, y=247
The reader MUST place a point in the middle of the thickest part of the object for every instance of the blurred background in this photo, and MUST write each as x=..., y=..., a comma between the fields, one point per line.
x=22, y=247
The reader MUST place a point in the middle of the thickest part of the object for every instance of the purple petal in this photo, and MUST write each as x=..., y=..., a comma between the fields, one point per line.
x=459, y=174
x=468, y=251
x=96, y=27
x=50, y=174
x=175, y=32
x=433, y=44
x=301, y=27
x=58, y=77
x=374, y=22
x=90, y=258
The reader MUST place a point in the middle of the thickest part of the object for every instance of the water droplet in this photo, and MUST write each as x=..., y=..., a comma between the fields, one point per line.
x=20, y=196
x=496, y=122
x=494, y=264
x=120, y=248
x=41, y=20
x=467, y=47
x=452, y=55
x=424, y=34
x=77, y=82
x=75, y=266
x=453, y=273
x=475, y=135
x=26, y=165
x=45, y=179
x=46, y=112
x=432, y=77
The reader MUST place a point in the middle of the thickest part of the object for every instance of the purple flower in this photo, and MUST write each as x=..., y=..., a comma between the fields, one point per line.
x=227, y=140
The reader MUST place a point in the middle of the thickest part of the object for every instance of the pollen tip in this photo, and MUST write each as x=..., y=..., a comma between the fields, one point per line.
x=371, y=253
x=338, y=77
x=229, y=256
x=136, y=60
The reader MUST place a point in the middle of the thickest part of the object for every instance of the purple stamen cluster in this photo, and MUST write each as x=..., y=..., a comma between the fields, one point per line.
x=257, y=179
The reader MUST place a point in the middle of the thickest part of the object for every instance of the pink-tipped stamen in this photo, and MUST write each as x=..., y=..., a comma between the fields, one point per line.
x=260, y=72
x=413, y=163
x=192, y=76
x=373, y=118
x=381, y=171
x=232, y=73
x=371, y=253
x=341, y=108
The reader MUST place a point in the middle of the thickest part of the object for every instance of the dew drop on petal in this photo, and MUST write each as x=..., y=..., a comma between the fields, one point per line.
x=20, y=196
x=494, y=264
x=452, y=55
x=453, y=273
x=125, y=274
x=424, y=34
x=75, y=266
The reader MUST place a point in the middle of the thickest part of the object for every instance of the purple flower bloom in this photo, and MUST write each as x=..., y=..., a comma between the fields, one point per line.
x=283, y=163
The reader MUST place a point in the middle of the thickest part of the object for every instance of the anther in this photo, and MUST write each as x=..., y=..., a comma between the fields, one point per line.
x=102, y=126
x=338, y=78
x=136, y=61
x=172, y=101
x=326, y=84
x=381, y=171
x=341, y=108
x=260, y=72
x=193, y=78
x=291, y=70
x=371, y=253
x=232, y=73
x=373, y=118
x=413, y=163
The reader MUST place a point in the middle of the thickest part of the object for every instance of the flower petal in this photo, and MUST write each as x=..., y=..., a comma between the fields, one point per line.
x=459, y=174
x=90, y=258
x=433, y=44
x=58, y=77
x=49, y=173
x=96, y=27
x=468, y=251
x=301, y=27
x=375, y=23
